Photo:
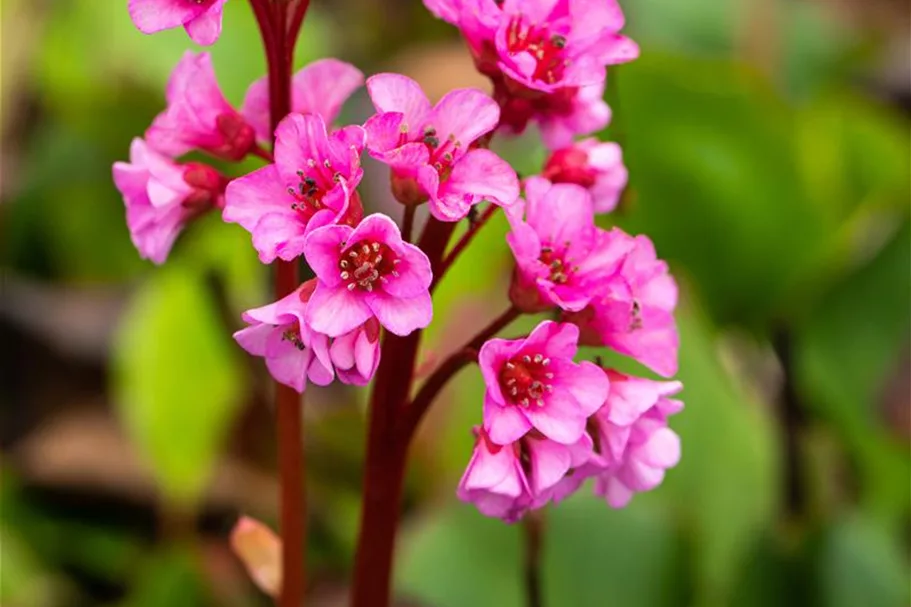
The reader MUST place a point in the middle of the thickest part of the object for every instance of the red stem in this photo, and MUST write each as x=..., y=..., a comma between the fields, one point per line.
x=279, y=50
x=386, y=456
x=413, y=414
x=460, y=246
x=408, y=222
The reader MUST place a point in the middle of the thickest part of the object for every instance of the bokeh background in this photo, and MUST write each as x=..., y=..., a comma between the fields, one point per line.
x=768, y=147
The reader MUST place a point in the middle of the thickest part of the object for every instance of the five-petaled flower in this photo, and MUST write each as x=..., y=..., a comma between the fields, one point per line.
x=534, y=383
x=201, y=18
x=161, y=197
x=429, y=149
x=367, y=271
x=562, y=259
x=546, y=58
x=311, y=184
x=198, y=116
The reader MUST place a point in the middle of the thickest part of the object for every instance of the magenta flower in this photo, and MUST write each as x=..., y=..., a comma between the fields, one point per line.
x=161, y=197
x=198, y=116
x=543, y=45
x=562, y=259
x=367, y=271
x=534, y=383
x=201, y=18
x=505, y=481
x=356, y=354
x=594, y=165
x=294, y=353
x=310, y=185
x=635, y=446
x=319, y=88
x=428, y=148
x=634, y=314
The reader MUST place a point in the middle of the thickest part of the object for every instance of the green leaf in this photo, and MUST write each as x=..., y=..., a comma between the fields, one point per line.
x=177, y=380
x=859, y=564
x=459, y=557
x=844, y=355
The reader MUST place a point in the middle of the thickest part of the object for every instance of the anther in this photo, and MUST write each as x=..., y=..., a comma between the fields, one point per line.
x=526, y=358
x=351, y=287
x=344, y=275
x=538, y=358
x=344, y=263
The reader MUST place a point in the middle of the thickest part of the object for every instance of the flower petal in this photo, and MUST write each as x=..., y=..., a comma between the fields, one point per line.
x=335, y=311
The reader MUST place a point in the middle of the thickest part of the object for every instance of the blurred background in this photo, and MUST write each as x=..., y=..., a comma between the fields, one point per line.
x=768, y=148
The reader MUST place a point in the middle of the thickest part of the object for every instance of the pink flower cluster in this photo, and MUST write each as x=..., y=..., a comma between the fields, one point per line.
x=547, y=59
x=549, y=422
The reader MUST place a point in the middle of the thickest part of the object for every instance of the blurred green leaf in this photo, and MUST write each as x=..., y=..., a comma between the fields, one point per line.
x=178, y=380
x=859, y=564
x=846, y=352
x=458, y=557
x=169, y=577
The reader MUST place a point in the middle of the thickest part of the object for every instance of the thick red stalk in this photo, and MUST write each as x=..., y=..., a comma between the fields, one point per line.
x=384, y=468
x=412, y=415
x=279, y=47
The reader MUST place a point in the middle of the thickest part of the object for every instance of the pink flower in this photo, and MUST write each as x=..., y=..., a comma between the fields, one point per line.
x=428, y=148
x=367, y=271
x=294, y=353
x=562, y=259
x=593, y=165
x=356, y=354
x=310, y=185
x=634, y=314
x=201, y=18
x=633, y=442
x=505, y=481
x=542, y=45
x=534, y=383
x=161, y=197
x=320, y=88
x=198, y=116
x=546, y=59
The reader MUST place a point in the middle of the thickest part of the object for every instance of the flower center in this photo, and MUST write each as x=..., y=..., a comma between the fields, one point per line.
x=365, y=263
x=292, y=335
x=570, y=166
x=547, y=49
x=315, y=181
x=560, y=270
x=525, y=379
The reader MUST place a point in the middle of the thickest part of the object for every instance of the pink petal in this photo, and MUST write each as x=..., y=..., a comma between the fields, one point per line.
x=299, y=139
x=550, y=461
x=401, y=316
x=617, y=494
x=383, y=131
x=322, y=249
x=278, y=235
x=206, y=28
x=335, y=311
x=553, y=339
x=397, y=93
x=588, y=384
x=481, y=174
x=250, y=197
x=504, y=424
x=152, y=16
x=255, y=109
x=377, y=227
x=323, y=87
x=415, y=274
x=662, y=450
x=366, y=355
x=465, y=114
x=493, y=355
x=253, y=338
x=487, y=470
x=564, y=215
x=560, y=419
